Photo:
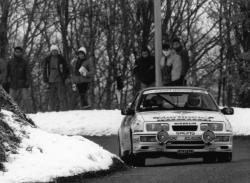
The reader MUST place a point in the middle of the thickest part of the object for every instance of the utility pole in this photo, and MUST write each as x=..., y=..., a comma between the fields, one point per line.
x=158, y=41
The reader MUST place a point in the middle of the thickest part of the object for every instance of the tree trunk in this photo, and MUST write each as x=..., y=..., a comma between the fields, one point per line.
x=4, y=8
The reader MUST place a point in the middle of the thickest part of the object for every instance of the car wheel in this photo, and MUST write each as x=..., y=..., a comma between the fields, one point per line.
x=125, y=156
x=209, y=158
x=135, y=160
x=225, y=157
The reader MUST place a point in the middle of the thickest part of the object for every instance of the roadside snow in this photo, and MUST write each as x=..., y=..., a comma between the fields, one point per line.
x=107, y=122
x=85, y=122
x=43, y=156
x=240, y=121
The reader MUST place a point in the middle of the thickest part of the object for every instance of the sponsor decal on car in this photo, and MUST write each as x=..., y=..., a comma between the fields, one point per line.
x=185, y=151
x=182, y=118
x=185, y=133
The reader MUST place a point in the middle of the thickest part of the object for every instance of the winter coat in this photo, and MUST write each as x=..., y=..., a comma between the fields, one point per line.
x=18, y=73
x=144, y=70
x=88, y=65
x=174, y=62
x=165, y=71
x=63, y=68
x=3, y=71
x=185, y=60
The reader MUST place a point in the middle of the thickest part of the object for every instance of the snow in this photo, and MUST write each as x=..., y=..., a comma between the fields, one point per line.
x=56, y=149
x=43, y=156
x=240, y=121
x=82, y=122
x=107, y=122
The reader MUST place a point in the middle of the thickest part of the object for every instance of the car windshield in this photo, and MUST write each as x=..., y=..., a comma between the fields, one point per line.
x=177, y=101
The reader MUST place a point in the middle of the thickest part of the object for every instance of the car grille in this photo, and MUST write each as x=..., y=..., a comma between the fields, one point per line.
x=187, y=144
x=185, y=147
x=185, y=128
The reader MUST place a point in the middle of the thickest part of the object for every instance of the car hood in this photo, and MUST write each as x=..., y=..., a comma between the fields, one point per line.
x=156, y=116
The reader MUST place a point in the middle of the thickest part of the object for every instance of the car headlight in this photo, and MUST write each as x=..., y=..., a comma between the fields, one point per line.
x=157, y=126
x=162, y=136
x=208, y=136
x=211, y=126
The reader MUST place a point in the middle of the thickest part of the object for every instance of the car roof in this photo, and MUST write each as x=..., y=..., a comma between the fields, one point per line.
x=181, y=88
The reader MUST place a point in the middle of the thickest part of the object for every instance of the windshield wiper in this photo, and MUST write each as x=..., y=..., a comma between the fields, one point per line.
x=175, y=106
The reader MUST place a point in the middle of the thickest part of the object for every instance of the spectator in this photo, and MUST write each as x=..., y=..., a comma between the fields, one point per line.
x=144, y=69
x=55, y=72
x=3, y=75
x=171, y=67
x=82, y=75
x=184, y=58
x=118, y=88
x=18, y=75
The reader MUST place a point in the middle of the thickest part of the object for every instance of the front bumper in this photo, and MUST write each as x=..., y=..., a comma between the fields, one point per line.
x=181, y=146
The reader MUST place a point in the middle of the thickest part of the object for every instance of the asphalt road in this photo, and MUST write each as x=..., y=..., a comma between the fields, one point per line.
x=165, y=170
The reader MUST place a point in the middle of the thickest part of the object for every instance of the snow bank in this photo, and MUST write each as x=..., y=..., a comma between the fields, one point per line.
x=107, y=122
x=43, y=156
x=240, y=121
x=82, y=122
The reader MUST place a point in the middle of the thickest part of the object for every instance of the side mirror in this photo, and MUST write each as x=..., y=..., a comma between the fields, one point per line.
x=127, y=111
x=227, y=111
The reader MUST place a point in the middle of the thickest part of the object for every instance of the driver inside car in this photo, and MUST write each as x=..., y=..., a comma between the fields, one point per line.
x=194, y=101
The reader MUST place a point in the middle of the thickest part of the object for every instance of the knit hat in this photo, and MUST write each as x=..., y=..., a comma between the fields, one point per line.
x=165, y=46
x=54, y=47
x=82, y=49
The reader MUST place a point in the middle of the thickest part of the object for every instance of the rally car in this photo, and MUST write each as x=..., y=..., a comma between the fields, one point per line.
x=175, y=122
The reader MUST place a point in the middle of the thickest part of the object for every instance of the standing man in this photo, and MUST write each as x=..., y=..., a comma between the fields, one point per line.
x=144, y=69
x=83, y=71
x=18, y=75
x=184, y=58
x=55, y=72
x=171, y=67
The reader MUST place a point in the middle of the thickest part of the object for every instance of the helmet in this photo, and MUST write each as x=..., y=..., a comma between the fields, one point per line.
x=156, y=100
x=194, y=100
x=82, y=49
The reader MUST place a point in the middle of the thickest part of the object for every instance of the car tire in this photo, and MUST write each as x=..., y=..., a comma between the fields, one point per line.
x=125, y=156
x=210, y=158
x=225, y=157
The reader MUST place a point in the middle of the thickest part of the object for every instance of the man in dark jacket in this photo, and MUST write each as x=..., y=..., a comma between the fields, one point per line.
x=55, y=72
x=184, y=57
x=18, y=75
x=144, y=69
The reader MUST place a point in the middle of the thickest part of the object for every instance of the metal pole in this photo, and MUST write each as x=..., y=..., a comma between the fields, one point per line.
x=158, y=41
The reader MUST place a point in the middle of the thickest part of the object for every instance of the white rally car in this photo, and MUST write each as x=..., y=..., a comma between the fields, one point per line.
x=176, y=122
